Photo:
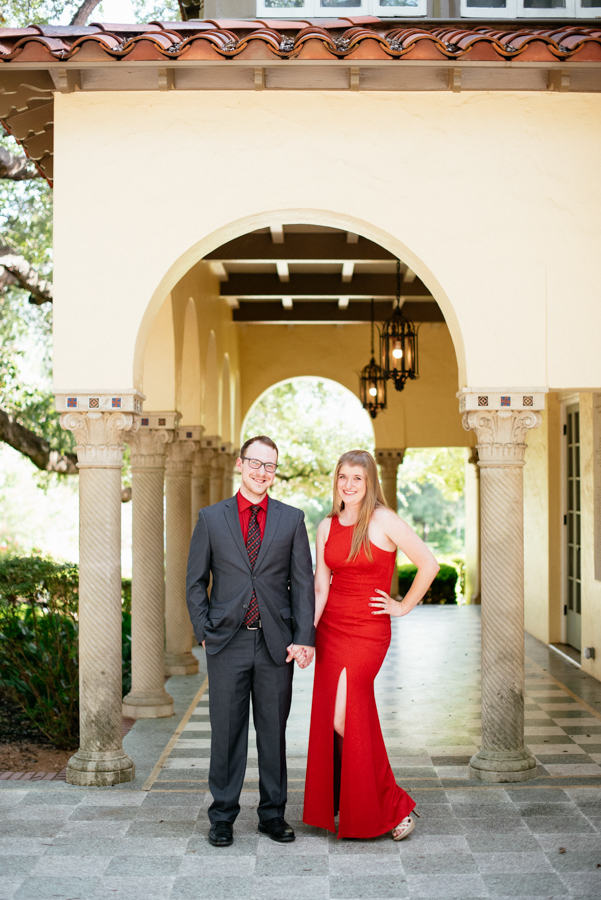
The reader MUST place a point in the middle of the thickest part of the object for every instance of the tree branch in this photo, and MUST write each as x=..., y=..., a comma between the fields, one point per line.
x=35, y=447
x=20, y=272
x=16, y=168
x=84, y=12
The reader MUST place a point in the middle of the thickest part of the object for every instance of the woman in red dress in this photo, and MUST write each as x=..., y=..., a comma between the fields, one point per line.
x=348, y=772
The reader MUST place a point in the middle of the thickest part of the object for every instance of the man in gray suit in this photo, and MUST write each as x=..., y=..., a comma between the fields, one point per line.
x=258, y=619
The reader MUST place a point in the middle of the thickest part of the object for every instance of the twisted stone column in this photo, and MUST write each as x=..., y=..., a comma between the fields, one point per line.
x=228, y=474
x=148, y=698
x=100, y=759
x=179, y=659
x=217, y=472
x=201, y=480
x=501, y=447
x=389, y=462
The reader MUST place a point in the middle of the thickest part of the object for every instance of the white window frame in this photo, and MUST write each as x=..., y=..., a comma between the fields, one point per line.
x=311, y=9
x=515, y=10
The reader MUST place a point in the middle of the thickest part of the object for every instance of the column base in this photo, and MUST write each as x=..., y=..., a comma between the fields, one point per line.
x=100, y=768
x=181, y=664
x=503, y=766
x=147, y=705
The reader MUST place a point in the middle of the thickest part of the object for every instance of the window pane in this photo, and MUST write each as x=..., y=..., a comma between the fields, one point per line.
x=413, y=3
x=339, y=3
x=486, y=4
x=544, y=4
x=284, y=4
x=590, y=4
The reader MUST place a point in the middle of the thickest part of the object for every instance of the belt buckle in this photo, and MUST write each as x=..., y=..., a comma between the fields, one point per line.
x=254, y=627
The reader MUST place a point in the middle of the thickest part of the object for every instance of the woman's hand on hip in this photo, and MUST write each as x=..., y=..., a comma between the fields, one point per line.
x=385, y=605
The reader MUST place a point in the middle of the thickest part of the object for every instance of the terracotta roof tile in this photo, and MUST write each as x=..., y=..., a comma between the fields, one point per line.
x=352, y=37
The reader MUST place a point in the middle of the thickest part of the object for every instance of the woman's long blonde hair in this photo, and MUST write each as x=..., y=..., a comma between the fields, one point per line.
x=373, y=499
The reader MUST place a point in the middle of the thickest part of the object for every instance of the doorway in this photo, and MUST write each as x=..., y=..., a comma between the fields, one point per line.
x=573, y=522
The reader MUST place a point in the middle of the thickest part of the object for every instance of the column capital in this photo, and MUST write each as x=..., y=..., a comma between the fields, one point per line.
x=501, y=434
x=148, y=448
x=472, y=398
x=99, y=436
x=389, y=457
x=160, y=419
x=179, y=457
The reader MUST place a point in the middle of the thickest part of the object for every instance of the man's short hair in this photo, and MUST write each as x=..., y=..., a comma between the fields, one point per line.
x=262, y=439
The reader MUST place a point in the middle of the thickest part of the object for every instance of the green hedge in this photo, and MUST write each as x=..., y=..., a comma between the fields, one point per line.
x=39, y=642
x=442, y=589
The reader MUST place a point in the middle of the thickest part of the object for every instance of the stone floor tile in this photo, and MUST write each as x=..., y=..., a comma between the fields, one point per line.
x=85, y=830
x=493, y=825
x=496, y=796
x=565, y=824
x=211, y=866
x=264, y=888
x=432, y=843
x=17, y=829
x=180, y=813
x=551, y=843
x=17, y=865
x=104, y=814
x=429, y=797
x=156, y=798
x=539, y=795
x=516, y=842
x=11, y=798
x=296, y=866
x=17, y=846
x=583, y=885
x=548, y=809
x=154, y=829
x=417, y=863
x=593, y=808
x=358, y=887
x=47, y=797
x=576, y=860
x=508, y=862
x=438, y=825
x=545, y=884
x=365, y=865
x=57, y=889
x=436, y=887
x=382, y=845
x=244, y=845
x=213, y=888
x=9, y=887
x=478, y=810
x=303, y=845
x=101, y=798
x=131, y=888
x=81, y=866
x=144, y=866
x=39, y=813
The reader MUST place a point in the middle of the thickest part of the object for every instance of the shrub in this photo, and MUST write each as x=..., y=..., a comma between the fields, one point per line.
x=39, y=642
x=442, y=589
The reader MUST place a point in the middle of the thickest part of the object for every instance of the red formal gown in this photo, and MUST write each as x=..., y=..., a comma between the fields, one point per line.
x=350, y=637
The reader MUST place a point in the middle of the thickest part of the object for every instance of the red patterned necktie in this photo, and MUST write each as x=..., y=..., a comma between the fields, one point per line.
x=253, y=543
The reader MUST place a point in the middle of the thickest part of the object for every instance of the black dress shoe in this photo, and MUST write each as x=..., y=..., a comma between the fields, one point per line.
x=278, y=830
x=221, y=834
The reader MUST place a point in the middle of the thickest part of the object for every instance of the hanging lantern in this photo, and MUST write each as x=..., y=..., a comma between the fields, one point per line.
x=398, y=343
x=372, y=381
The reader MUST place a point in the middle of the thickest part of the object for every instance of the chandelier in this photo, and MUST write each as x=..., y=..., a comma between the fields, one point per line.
x=372, y=381
x=398, y=343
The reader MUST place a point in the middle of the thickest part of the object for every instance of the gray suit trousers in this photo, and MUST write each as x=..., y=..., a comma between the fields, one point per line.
x=243, y=669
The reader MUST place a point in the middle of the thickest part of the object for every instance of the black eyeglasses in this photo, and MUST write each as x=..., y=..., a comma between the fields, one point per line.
x=256, y=464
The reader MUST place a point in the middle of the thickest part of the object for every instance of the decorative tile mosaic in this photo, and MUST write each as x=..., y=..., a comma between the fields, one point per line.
x=505, y=401
x=94, y=402
x=162, y=422
x=482, y=401
x=528, y=401
x=72, y=402
x=116, y=402
x=188, y=434
x=144, y=421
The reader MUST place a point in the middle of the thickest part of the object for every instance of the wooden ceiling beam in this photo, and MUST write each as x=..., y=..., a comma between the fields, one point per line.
x=305, y=312
x=303, y=247
x=257, y=286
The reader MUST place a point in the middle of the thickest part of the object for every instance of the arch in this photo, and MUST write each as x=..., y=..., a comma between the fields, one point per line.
x=239, y=227
x=226, y=401
x=191, y=374
x=159, y=377
x=277, y=384
x=212, y=391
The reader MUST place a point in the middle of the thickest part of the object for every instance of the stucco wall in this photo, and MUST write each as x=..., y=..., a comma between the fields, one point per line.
x=542, y=524
x=493, y=199
x=425, y=414
x=591, y=589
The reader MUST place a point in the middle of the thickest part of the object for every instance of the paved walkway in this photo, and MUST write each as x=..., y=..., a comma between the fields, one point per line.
x=148, y=839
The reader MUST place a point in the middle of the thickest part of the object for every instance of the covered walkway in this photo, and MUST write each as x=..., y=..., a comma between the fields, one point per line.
x=148, y=838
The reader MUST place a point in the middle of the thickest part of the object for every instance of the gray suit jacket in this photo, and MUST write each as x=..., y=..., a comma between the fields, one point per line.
x=282, y=578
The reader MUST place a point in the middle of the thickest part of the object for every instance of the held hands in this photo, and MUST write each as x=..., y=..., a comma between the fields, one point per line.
x=385, y=605
x=302, y=655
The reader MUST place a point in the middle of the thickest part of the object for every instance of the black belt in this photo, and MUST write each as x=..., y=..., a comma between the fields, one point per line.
x=252, y=627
